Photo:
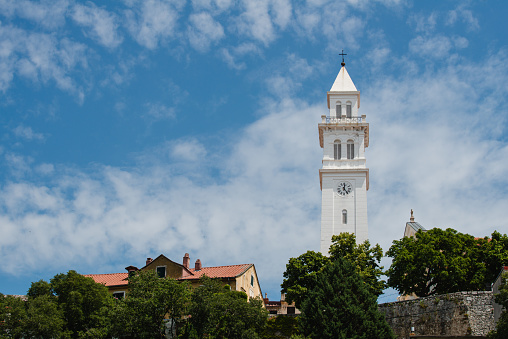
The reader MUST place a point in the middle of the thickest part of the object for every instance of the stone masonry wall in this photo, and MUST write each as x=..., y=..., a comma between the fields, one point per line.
x=454, y=314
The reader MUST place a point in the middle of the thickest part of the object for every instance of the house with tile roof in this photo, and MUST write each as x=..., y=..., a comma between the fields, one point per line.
x=241, y=277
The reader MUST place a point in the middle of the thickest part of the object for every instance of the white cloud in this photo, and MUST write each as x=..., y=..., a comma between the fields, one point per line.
x=289, y=77
x=159, y=111
x=152, y=22
x=204, y=31
x=434, y=47
x=27, y=133
x=47, y=13
x=214, y=5
x=188, y=150
x=39, y=57
x=464, y=15
x=232, y=55
x=424, y=23
x=257, y=19
x=103, y=25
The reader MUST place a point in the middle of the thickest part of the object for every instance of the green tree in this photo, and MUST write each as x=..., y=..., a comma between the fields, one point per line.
x=301, y=274
x=82, y=301
x=39, y=288
x=152, y=306
x=12, y=316
x=444, y=261
x=340, y=305
x=44, y=319
x=282, y=327
x=365, y=259
x=218, y=312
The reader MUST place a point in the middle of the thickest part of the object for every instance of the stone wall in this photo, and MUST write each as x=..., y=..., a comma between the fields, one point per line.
x=453, y=314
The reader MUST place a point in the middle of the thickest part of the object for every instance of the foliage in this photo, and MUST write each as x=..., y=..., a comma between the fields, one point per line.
x=82, y=301
x=218, y=312
x=45, y=319
x=501, y=330
x=301, y=274
x=39, y=288
x=365, y=259
x=281, y=326
x=341, y=305
x=444, y=261
x=152, y=303
x=12, y=316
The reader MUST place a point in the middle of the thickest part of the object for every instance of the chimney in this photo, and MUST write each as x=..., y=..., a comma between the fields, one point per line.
x=186, y=260
x=148, y=261
x=197, y=267
x=265, y=299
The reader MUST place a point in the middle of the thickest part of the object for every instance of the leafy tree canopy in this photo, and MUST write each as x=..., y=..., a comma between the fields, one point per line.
x=81, y=299
x=153, y=306
x=444, y=261
x=301, y=272
x=365, y=259
x=340, y=305
x=218, y=312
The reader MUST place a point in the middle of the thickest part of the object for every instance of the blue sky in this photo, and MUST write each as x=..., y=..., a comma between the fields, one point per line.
x=134, y=128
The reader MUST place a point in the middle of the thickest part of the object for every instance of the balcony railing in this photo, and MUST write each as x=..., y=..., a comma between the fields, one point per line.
x=342, y=120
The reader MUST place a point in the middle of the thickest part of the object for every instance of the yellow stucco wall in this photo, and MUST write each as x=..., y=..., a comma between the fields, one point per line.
x=173, y=270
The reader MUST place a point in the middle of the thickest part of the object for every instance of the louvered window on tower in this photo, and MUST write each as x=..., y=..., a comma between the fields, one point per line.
x=344, y=216
x=350, y=149
x=337, y=150
x=338, y=110
x=348, y=110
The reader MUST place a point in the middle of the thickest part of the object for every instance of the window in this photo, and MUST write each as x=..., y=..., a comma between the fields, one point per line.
x=350, y=149
x=119, y=295
x=344, y=216
x=337, y=150
x=161, y=271
x=348, y=110
x=252, y=280
x=338, y=110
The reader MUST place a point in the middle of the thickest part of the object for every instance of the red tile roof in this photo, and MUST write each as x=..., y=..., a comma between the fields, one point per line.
x=231, y=271
x=120, y=279
x=110, y=279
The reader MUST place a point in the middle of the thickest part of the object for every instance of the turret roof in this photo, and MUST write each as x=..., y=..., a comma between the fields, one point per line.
x=343, y=82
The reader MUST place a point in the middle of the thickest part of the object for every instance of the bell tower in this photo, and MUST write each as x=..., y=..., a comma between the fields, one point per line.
x=344, y=177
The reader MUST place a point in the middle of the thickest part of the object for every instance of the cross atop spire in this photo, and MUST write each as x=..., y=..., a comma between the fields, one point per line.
x=342, y=54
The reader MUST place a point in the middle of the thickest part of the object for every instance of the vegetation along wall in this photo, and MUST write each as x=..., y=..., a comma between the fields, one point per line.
x=454, y=314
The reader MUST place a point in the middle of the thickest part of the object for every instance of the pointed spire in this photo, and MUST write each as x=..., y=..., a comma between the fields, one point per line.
x=343, y=82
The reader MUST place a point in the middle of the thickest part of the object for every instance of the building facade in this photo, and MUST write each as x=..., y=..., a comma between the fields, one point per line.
x=241, y=277
x=344, y=177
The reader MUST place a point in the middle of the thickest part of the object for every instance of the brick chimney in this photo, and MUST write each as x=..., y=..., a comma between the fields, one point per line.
x=148, y=261
x=197, y=267
x=186, y=260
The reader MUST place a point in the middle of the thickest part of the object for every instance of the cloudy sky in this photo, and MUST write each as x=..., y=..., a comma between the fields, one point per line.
x=134, y=128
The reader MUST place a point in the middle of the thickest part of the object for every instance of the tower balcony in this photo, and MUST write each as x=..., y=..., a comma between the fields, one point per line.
x=357, y=123
x=344, y=163
x=343, y=120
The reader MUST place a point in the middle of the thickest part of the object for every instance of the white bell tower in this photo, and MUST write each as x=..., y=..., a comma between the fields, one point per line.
x=344, y=177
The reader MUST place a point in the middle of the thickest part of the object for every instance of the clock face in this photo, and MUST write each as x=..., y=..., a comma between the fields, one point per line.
x=344, y=188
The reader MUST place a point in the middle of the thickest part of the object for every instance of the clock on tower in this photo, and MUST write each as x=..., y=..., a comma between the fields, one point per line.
x=344, y=177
